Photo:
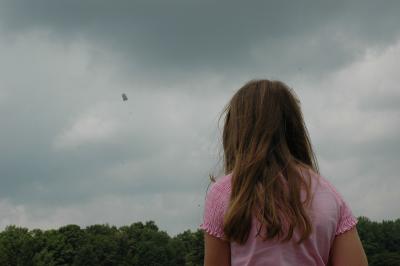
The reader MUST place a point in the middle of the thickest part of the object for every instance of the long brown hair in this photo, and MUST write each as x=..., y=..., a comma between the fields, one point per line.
x=265, y=141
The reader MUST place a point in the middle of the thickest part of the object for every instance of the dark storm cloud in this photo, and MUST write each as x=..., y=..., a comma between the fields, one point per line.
x=72, y=143
x=175, y=38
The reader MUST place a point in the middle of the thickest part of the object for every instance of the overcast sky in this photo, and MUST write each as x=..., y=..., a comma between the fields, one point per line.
x=72, y=151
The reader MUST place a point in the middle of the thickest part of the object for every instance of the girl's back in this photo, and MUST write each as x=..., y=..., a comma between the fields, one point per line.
x=330, y=216
x=274, y=208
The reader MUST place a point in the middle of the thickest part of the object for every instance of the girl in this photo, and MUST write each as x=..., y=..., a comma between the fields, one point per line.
x=272, y=207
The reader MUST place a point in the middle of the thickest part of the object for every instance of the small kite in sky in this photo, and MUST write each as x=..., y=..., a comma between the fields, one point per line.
x=124, y=97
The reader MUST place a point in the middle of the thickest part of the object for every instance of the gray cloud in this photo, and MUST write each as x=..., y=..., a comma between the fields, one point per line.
x=178, y=39
x=76, y=153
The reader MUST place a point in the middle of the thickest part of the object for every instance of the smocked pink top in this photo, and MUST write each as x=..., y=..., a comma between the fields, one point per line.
x=330, y=216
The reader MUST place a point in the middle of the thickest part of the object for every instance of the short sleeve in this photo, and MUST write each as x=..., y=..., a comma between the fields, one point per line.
x=214, y=209
x=346, y=219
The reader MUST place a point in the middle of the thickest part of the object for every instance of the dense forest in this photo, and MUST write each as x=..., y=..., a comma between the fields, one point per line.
x=144, y=244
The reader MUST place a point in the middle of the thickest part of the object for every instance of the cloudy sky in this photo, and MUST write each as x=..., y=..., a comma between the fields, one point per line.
x=74, y=152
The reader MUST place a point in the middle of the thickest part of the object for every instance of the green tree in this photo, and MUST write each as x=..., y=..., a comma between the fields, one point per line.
x=192, y=247
x=16, y=246
x=144, y=244
x=100, y=246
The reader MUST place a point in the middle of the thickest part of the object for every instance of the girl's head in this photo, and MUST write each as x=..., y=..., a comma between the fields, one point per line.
x=264, y=121
x=264, y=141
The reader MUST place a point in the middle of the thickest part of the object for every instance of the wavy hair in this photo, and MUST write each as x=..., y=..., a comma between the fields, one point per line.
x=265, y=140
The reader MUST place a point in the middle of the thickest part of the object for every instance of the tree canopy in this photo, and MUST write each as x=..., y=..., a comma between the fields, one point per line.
x=144, y=244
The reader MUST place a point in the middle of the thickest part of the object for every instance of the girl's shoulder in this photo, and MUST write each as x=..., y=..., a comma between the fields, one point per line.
x=216, y=204
x=321, y=182
x=222, y=184
x=327, y=193
x=317, y=180
x=219, y=192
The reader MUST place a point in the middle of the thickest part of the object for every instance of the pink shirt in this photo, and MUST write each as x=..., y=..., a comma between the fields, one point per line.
x=330, y=216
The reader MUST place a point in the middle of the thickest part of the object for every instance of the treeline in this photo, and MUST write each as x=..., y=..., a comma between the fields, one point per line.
x=144, y=244
x=381, y=241
x=100, y=245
